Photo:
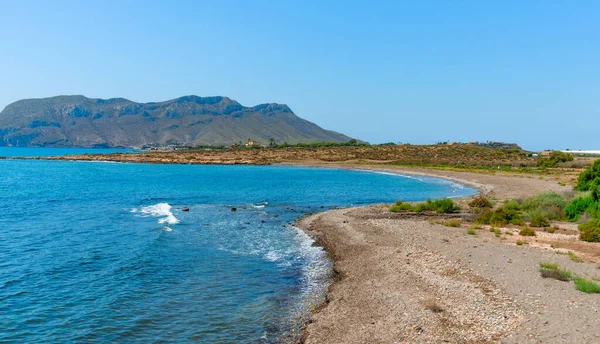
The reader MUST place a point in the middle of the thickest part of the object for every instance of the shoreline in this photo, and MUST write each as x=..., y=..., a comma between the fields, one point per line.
x=377, y=295
x=363, y=231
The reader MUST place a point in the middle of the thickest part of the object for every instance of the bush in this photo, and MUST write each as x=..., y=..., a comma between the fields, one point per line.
x=550, y=204
x=554, y=159
x=444, y=205
x=526, y=231
x=501, y=216
x=587, y=177
x=400, y=206
x=539, y=221
x=579, y=206
x=590, y=231
x=480, y=202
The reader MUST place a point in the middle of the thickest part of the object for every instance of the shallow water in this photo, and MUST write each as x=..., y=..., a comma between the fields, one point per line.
x=103, y=252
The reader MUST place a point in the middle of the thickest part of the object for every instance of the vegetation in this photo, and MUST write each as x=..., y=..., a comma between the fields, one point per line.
x=554, y=159
x=539, y=220
x=499, y=217
x=590, y=231
x=548, y=270
x=471, y=232
x=444, y=205
x=586, y=285
x=581, y=205
x=550, y=205
x=480, y=202
x=574, y=258
x=451, y=223
x=526, y=231
x=589, y=180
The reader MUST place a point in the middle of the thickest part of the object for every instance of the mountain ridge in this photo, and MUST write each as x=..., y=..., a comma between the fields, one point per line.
x=79, y=121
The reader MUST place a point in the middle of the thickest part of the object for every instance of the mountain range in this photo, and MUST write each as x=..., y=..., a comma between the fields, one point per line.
x=78, y=121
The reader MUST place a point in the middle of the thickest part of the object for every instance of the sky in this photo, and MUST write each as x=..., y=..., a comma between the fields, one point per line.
x=380, y=71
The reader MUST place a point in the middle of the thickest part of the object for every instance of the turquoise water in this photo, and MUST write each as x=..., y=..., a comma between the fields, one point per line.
x=45, y=152
x=103, y=252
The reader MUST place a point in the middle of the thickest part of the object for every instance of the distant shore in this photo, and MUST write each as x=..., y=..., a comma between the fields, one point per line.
x=401, y=278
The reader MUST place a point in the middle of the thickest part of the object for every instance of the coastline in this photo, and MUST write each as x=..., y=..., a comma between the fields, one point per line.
x=404, y=279
x=372, y=249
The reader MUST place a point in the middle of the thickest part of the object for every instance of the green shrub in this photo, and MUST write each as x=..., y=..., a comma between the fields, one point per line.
x=499, y=217
x=553, y=159
x=590, y=231
x=544, y=200
x=580, y=205
x=400, y=206
x=526, y=231
x=587, y=177
x=517, y=222
x=586, y=286
x=471, y=232
x=539, y=221
x=550, y=204
x=480, y=202
x=444, y=205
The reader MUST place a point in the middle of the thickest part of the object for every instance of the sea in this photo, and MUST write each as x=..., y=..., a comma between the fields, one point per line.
x=100, y=252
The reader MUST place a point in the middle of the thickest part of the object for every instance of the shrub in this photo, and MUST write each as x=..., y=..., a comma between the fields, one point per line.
x=505, y=215
x=590, y=231
x=587, y=177
x=520, y=243
x=580, y=205
x=444, y=205
x=550, y=204
x=400, y=206
x=539, y=221
x=554, y=159
x=544, y=200
x=471, y=232
x=526, y=231
x=517, y=222
x=501, y=216
x=586, y=285
x=480, y=202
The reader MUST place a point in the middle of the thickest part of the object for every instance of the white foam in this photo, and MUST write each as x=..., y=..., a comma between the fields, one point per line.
x=162, y=211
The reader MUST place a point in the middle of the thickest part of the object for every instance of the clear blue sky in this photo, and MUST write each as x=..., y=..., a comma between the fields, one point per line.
x=402, y=71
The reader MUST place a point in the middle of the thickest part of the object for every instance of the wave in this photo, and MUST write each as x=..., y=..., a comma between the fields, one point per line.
x=162, y=211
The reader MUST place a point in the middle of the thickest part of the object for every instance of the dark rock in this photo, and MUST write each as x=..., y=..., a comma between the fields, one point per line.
x=185, y=209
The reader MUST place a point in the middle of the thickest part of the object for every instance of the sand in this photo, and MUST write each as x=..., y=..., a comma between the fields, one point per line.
x=403, y=279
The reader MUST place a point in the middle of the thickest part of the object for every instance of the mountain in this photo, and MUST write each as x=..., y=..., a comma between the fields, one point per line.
x=78, y=121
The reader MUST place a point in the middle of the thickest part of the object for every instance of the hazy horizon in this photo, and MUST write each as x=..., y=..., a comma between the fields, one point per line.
x=522, y=72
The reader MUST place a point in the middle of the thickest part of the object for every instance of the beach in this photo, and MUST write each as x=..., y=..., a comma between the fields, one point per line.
x=400, y=278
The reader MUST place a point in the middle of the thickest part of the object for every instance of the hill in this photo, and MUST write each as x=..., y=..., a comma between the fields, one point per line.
x=78, y=121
